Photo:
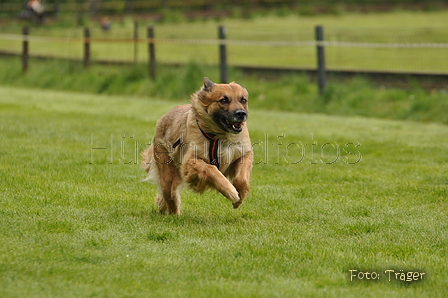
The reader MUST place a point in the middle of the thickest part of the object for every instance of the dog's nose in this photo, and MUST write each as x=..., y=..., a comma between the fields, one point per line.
x=241, y=114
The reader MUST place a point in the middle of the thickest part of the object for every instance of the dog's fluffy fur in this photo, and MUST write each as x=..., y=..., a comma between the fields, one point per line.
x=179, y=152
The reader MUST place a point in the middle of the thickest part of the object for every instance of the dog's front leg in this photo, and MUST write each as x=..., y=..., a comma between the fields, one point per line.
x=243, y=168
x=200, y=174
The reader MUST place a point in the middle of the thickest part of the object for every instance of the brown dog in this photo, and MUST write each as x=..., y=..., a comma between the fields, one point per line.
x=205, y=144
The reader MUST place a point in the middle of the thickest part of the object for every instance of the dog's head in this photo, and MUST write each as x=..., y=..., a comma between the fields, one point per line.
x=224, y=104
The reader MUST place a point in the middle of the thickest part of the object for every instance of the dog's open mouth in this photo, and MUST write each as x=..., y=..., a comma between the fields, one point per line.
x=235, y=127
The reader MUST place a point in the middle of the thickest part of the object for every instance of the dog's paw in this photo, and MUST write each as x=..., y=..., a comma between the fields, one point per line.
x=233, y=196
x=237, y=204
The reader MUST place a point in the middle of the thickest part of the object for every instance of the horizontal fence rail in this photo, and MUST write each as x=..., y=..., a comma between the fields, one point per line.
x=245, y=48
x=19, y=37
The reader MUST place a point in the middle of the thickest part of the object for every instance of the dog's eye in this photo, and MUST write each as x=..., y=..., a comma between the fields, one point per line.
x=243, y=100
x=224, y=100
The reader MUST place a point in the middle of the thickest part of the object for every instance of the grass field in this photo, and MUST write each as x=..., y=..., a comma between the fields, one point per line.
x=78, y=222
x=391, y=27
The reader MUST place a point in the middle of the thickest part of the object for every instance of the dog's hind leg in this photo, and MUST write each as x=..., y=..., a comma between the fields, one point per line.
x=169, y=202
x=168, y=198
x=170, y=181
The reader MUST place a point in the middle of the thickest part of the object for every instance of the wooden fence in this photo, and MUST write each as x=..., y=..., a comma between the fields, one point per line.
x=319, y=71
x=222, y=43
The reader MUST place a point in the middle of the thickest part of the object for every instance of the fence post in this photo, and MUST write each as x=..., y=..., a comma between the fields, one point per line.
x=223, y=54
x=321, y=72
x=86, y=47
x=152, y=53
x=25, y=54
x=135, y=42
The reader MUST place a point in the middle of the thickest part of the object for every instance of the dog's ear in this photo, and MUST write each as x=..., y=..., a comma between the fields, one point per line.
x=208, y=85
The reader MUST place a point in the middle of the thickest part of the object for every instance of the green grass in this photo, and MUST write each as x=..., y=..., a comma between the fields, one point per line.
x=77, y=222
x=287, y=92
x=391, y=27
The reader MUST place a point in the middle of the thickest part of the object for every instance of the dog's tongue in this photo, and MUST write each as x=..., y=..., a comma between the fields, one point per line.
x=237, y=124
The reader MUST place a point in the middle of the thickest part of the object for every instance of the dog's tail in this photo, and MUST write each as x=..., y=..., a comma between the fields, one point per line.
x=147, y=156
x=149, y=166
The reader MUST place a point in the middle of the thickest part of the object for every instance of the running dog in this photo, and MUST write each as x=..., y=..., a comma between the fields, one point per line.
x=204, y=145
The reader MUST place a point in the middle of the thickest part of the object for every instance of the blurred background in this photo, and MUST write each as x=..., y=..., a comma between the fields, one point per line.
x=365, y=44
